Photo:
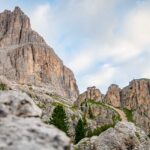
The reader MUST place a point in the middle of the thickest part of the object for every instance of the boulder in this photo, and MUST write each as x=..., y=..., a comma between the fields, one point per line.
x=125, y=136
x=31, y=134
x=21, y=127
x=18, y=104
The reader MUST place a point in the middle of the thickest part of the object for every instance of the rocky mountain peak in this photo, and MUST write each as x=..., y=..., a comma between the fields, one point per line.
x=27, y=59
x=18, y=10
x=15, y=29
x=113, y=95
x=92, y=93
x=136, y=93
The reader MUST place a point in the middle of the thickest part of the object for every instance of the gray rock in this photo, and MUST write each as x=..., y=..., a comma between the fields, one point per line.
x=18, y=104
x=21, y=129
x=125, y=136
x=30, y=134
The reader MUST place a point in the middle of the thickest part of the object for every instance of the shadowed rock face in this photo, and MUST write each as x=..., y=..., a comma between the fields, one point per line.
x=27, y=59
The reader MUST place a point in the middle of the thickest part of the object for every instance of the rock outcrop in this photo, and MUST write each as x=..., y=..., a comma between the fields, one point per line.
x=30, y=133
x=112, y=96
x=21, y=127
x=27, y=59
x=136, y=94
x=136, y=97
x=92, y=93
x=98, y=114
x=18, y=104
x=125, y=136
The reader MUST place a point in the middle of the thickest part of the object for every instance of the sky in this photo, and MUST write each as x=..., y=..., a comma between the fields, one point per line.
x=102, y=41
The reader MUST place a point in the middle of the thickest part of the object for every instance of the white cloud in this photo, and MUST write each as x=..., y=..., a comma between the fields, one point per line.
x=44, y=21
x=138, y=26
x=103, y=37
x=103, y=76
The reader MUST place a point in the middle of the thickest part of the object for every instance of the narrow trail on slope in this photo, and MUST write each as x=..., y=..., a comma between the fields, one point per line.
x=120, y=112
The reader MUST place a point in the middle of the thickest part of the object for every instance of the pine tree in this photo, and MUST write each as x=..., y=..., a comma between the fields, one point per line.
x=59, y=119
x=79, y=131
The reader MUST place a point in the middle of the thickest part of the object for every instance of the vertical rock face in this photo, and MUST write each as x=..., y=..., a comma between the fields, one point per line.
x=27, y=59
x=136, y=94
x=136, y=97
x=15, y=29
x=113, y=96
x=92, y=93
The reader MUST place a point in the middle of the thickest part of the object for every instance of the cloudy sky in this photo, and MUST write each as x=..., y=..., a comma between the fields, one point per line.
x=102, y=41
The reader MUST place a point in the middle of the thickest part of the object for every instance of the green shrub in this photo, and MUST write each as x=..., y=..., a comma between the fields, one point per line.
x=59, y=119
x=3, y=87
x=79, y=131
x=129, y=114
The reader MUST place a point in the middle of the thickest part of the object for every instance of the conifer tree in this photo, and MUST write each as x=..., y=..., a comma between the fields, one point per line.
x=79, y=131
x=59, y=119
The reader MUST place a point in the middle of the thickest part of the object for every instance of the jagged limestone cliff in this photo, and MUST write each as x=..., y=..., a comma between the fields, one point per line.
x=27, y=59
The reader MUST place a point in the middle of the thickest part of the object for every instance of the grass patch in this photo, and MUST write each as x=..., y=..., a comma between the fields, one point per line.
x=129, y=114
x=96, y=103
x=99, y=130
x=41, y=105
x=60, y=104
x=3, y=87
x=53, y=95
x=116, y=118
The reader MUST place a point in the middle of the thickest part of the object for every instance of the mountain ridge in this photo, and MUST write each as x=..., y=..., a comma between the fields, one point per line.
x=34, y=82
